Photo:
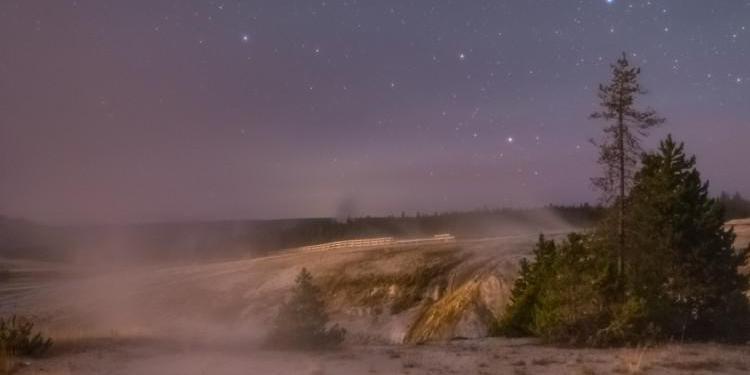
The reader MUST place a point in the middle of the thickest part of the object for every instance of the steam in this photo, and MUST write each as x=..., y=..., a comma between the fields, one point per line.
x=183, y=314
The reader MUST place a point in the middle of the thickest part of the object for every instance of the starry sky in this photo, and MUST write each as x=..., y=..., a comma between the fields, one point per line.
x=180, y=110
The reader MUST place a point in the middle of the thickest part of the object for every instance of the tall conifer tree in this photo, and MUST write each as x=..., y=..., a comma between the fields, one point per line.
x=619, y=151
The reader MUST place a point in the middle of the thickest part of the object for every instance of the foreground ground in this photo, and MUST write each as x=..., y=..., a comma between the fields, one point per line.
x=484, y=356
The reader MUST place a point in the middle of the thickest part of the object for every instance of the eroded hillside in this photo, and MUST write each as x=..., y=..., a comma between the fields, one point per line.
x=400, y=293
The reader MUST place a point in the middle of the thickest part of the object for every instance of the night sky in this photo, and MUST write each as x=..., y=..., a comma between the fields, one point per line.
x=114, y=111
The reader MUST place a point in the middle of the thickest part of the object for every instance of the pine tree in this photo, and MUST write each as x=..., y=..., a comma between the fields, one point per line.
x=682, y=279
x=686, y=267
x=520, y=314
x=560, y=295
x=619, y=152
x=302, y=321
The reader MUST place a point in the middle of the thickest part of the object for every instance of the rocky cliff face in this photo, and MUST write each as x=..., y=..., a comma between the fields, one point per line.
x=420, y=294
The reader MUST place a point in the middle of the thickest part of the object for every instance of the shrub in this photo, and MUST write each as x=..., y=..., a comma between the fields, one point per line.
x=17, y=338
x=302, y=321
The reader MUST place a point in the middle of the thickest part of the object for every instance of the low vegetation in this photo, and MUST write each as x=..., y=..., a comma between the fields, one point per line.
x=17, y=338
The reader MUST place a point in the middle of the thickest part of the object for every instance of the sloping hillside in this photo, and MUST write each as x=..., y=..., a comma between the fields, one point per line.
x=401, y=293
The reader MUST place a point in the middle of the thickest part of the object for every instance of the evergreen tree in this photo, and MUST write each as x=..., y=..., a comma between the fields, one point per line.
x=561, y=295
x=682, y=279
x=686, y=266
x=618, y=153
x=302, y=321
x=519, y=317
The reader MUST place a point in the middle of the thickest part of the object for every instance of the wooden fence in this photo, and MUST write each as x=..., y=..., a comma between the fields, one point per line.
x=380, y=241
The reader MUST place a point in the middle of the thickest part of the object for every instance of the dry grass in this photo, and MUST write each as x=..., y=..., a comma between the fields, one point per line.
x=632, y=360
x=709, y=358
x=708, y=364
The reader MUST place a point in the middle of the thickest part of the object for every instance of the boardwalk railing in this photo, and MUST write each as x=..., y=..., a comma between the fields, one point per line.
x=380, y=241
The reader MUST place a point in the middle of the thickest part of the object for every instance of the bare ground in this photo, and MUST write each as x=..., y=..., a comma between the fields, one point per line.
x=485, y=356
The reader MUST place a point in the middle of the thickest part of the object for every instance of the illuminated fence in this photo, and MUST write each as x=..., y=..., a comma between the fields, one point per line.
x=438, y=238
x=381, y=241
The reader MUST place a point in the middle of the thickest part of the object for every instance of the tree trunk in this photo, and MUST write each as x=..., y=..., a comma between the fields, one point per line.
x=621, y=218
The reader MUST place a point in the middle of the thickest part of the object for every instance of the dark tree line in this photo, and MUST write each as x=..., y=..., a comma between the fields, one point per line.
x=208, y=240
x=736, y=206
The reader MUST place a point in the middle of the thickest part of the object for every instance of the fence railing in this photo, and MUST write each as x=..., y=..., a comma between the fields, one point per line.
x=380, y=241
